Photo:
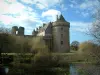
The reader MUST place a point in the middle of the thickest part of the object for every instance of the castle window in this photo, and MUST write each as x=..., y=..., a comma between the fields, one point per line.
x=16, y=32
x=61, y=28
x=61, y=35
x=61, y=42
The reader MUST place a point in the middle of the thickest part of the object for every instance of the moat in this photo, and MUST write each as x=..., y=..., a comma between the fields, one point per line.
x=71, y=69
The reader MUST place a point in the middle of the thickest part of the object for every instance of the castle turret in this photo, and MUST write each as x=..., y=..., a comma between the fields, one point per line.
x=61, y=35
x=14, y=30
x=21, y=31
x=34, y=32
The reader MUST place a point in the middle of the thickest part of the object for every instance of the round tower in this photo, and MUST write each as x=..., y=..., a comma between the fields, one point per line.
x=21, y=31
x=14, y=30
x=61, y=42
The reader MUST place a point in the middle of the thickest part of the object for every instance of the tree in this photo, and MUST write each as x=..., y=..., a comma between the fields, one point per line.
x=40, y=52
x=90, y=51
x=95, y=28
x=5, y=40
x=38, y=45
x=74, y=45
x=5, y=30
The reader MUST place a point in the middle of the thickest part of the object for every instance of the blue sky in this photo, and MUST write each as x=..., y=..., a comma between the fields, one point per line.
x=33, y=13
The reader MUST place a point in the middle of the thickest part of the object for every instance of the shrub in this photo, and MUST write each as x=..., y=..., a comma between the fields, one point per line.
x=38, y=45
x=75, y=45
x=42, y=59
x=90, y=51
x=6, y=43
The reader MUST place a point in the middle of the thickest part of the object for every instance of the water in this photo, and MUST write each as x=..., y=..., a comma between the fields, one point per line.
x=84, y=69
x=6, y=70
x=72, y=69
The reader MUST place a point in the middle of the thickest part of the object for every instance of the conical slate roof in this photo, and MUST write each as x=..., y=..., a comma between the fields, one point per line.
x=61, y=18
x=61, y=21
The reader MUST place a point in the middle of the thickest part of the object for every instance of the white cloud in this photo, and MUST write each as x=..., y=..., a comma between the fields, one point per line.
x=86, y=7
x=42, y=3
x=13, y=13
x=85, y=4
x=85, y=14
x=79, y=23
x=79, y=29
x=73, y=1
x=89, y=4
x=6, y=19
x=10, y=1
x=41, y=6
x=80, y=26
x=51, y=14
x=63, y=7
x=71, y=5
x=13, y=8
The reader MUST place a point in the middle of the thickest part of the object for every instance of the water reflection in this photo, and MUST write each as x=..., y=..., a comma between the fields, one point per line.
x=73, y=69
x=84, y=69
x=46, y=71
x=6, y=70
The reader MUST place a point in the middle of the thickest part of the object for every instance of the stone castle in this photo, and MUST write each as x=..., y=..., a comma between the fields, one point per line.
x=55, y=34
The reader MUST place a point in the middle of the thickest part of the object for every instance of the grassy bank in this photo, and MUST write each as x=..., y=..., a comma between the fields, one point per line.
x=59, y=57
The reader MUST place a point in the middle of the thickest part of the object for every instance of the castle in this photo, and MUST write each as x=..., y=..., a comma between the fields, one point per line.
x=55, y=34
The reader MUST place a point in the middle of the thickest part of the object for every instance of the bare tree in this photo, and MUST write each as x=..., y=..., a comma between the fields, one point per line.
x=5, y=39
x=4, y=30
x=95, y=28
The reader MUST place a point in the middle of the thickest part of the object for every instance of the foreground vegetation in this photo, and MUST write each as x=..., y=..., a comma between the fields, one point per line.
x=36, y=49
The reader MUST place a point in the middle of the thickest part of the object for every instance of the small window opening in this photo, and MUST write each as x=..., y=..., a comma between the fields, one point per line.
x=61, y=35
x=61, y=42
x=16, y=32
x=61, y=28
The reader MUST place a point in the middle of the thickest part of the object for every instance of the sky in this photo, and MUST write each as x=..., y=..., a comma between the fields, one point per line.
x=33, y=13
